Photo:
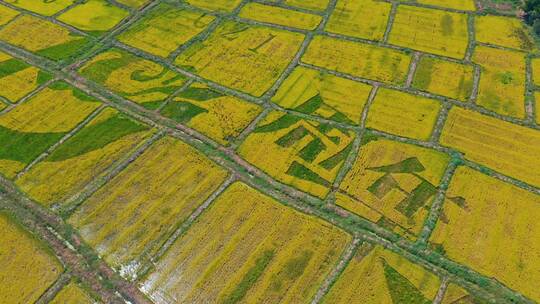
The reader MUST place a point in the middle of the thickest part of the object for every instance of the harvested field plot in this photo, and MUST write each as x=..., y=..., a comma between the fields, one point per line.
x=429, y=30
x=444, y=78
x=502, y=83
x=403, y=114
x=363, y=19
x=18, y=78
x=43, y=38
x=27, y=266
x=510, y=149
x=509, y=250
x=130, y=218
x=312, y=92
x=72, y=294
x=307, y=154
x=467, y=5
x=83, y=157
x=281, y=16
x=357, y=59
x=34, y=126
x=47, y=8
x=245, y=57
x=94, y=16
x=140, y=80
x=503, y=31
x=217, y=115
x=247, y=248
x=164, y=29
x=215, y=5
x=376, y=275
x=7, y=14
x=393, y=182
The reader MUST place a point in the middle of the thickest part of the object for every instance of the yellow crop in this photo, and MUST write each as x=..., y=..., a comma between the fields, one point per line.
x=342, y=99
x=244, y=57
x=216, y=5
x=47, y=8
x=537, y=101
x=377, y=275
x=373, y=192
x=18, y=84
x=281, y=16
x=536, y=70
x=505, y=147
x=363, y=19
x=403, y=114
x=133, y=3
x=247, y=248
x=317, y=5
x=431, y=31
x=358, y=59
x=467, y=5
x=7, y=14
x=502, y=83
x=27, y=267
x=506, y=248
x=93, y=15
x=503, y=31
x=164, y=29
x=72, y=294
x=129, y=219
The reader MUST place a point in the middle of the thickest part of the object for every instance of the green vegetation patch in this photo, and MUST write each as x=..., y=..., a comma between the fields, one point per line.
x=25, y=147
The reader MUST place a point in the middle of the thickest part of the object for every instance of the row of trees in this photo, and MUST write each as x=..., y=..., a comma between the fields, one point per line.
x=531, y=9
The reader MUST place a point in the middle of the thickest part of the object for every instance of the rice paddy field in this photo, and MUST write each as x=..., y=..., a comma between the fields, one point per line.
x=268, y=151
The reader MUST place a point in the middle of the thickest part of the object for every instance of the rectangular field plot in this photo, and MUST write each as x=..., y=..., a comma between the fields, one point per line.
x=305, y=154
x=247, y=248
x=164, y=29
x=403, y=114
x=34, y=126
x=429, y=30
x=212, y=113
x=43, y=38
x=47, y=8
x=7, y=14
x=17, y=78
x=466, y=5
x=393, y=182
x=216, y=5
x=105, y=139
x=503, y=31
x=129, y=219
x=281, y=16
x=94, y=16
x=358, y=59
x=312, y=92
x=363, y=19
x=244, y=57
x=535, y=65
x=493, y=230
x=377, y=275
x=508, y=148
x=72, y=293
x=444, y=78
x=140, y=80
x=316, y=5
x=27, y=267
x=502, y=82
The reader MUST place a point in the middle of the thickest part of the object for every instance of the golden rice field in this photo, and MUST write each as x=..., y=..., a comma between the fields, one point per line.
x=269, y=151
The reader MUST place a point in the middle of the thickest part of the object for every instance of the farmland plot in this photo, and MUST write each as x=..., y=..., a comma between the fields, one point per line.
x=503, y=31
x=164, y=29
x=376, y=275
x=140, y=80
x=216, y=5
x=18, y=78
x=358, y=59
x=94, y=16
x=316, y=5
x=212, y=113
x=508, y=148
x=429, y=30
x=363, y=19
x=83, y=157
x=27, y=267
x=46, y=8
x=307, y=154
x=456, y=295
x=34, y=126
x=467, y=5
x=244, y=57
x=312, y=92
x=129, y=219
x=393, y=182
x=509, y=250
x=7, y=14
x=43, y=37
x=72, y=294
x=247, y=248
x=281, y=16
